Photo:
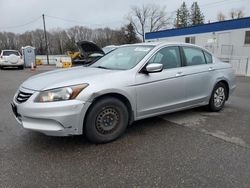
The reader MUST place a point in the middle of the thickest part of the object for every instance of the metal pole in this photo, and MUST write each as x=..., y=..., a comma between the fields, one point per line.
x=247, y=67
x=178, y=18
x=46, y=42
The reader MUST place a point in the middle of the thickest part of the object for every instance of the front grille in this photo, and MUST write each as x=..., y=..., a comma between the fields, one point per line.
x=22, y=96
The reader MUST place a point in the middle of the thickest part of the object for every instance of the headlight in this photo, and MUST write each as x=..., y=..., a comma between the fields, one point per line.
x=60, y=94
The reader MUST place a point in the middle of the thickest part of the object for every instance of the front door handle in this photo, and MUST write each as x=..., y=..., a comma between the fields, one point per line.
x=211, y=69
x=179, y=74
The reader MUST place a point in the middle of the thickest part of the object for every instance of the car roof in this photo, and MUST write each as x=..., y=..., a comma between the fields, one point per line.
x=161, y=43
x=164, y=43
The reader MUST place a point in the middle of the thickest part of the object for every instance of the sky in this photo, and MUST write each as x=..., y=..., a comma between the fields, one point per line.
x=19, y=16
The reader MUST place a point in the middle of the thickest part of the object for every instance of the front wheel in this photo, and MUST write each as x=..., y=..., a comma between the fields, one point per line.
x=218, y=97
x=106, y=120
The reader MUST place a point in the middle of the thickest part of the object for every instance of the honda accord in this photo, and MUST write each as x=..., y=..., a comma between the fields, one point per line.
x=130, y=83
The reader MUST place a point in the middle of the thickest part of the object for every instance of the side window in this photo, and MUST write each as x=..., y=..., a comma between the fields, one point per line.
x=190, y=40
x=247, y=37
x=169, y=57
x=194, y=56
x=209, y=57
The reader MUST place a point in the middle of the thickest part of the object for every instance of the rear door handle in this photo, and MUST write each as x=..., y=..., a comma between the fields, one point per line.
x=211, y=69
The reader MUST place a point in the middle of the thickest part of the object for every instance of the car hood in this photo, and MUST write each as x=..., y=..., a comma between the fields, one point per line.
x=65, y=77
x=87, y=48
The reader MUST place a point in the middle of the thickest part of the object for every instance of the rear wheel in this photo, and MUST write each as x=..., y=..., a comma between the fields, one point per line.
x=218, y=97
x=106, y=120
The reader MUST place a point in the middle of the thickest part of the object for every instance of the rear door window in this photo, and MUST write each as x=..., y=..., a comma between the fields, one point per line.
x=8, y=53
x=194, y=56
x=209, y=57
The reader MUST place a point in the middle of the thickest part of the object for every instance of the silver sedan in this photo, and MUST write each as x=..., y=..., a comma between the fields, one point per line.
x=131, y=83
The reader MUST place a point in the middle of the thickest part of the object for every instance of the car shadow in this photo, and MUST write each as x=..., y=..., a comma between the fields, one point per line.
x=35, y=140
x=139, y=130
x=10, y=68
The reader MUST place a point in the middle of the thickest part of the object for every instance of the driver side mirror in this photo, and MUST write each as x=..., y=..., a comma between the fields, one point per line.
x=153, y=67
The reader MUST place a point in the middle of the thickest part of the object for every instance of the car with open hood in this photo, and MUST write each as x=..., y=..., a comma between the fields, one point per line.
x=88, y=53
x=130, y=83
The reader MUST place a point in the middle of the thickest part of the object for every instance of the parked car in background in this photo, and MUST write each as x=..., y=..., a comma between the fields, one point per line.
x=88, y=53
x=130, y=83
x=11, y=58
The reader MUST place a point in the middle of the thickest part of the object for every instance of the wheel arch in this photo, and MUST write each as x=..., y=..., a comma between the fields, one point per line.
x=226, y=84
x=118, y=96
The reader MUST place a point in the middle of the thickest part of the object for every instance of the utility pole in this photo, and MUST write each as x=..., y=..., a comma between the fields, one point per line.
x=46, y=42
x=178, y=19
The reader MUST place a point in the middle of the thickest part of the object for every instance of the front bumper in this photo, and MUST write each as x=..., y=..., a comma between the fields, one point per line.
x=62, y=118
x=8, y=64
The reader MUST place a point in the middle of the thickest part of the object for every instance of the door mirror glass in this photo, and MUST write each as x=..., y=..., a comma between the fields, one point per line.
x=154, y=67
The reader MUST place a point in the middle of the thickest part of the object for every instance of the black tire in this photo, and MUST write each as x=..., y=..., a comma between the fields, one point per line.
x=106, y=120
x=218, y=97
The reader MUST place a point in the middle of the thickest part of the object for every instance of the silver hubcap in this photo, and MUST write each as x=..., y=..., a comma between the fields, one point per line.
x=107, y=120
x=219, y=96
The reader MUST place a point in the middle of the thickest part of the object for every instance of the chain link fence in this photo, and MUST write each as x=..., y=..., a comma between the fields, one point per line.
x=240, y=65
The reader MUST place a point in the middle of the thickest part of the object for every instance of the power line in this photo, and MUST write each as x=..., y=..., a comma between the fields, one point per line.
x=22, y=25
x=208, y=5
x=79, y=22
x=70, y=21
x=220, y=2
x=213, y=3
x=64, y=19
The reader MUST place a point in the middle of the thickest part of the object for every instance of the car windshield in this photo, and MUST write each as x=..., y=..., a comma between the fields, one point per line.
x=123, y=58
x=7, y=53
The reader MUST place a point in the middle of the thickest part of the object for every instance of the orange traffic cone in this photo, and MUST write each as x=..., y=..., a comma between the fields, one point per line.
x=32, y=67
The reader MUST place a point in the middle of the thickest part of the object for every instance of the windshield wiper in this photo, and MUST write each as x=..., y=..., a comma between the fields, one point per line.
x=101, y=67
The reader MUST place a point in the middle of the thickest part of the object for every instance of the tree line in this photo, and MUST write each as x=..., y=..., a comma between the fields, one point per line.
x=61, y=40
x=233, y=14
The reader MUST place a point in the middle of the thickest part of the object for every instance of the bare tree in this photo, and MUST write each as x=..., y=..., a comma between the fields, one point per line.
x=103, y=36
x=240, y=13
x=232, y=14
x=221, y=16
x=236, y=13
x=148, y=18
x=38, y=41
